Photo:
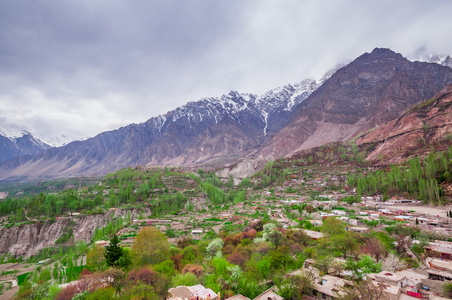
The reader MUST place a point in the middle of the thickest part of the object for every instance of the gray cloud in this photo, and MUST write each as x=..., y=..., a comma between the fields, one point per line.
x=82, y=67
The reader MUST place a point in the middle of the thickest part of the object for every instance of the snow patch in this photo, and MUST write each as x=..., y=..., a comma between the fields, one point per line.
x=265, y=115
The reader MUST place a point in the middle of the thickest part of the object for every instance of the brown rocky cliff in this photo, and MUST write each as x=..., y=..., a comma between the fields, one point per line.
x=27, y=240
x=411, y=134
x=375, y=88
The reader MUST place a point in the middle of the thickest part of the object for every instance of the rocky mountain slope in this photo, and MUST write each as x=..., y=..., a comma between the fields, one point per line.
x=13, y=144
x=426, y=124
x=27, y=240
x=374, y=89
x=212, y=128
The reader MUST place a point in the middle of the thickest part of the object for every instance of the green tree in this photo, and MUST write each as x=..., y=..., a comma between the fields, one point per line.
x=344, y=242
x=95, y=259
x=188, y=279
x=125, y=261
x=363, y=267
x=294, y=287
x=332, y=226
x=113, y=251
x=214, y=248
x=150, y=247
x=102, y=294
x=447, y=289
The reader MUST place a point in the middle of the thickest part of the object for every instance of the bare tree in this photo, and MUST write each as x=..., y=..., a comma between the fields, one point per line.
x=374, y=248
x=363, y=290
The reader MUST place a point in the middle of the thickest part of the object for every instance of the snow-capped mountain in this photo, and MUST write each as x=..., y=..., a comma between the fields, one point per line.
x=212, y=128
x=423, y=56
x=375, y=88
x=372, y=90
x=17, y=142
x=263, y=110
x=58, y=141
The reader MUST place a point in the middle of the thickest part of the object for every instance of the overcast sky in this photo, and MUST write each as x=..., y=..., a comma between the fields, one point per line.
x=82, y=67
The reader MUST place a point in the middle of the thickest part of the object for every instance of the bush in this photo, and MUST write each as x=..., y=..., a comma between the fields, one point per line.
x=447, y=289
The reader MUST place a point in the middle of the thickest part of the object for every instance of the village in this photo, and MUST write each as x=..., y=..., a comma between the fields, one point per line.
x=280, y=207
x=325, y=228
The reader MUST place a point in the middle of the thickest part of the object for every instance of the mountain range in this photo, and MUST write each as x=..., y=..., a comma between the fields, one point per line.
x=372, y=90
x=13, y=144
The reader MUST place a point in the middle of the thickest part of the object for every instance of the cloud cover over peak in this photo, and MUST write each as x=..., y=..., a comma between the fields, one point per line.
x=81, y=67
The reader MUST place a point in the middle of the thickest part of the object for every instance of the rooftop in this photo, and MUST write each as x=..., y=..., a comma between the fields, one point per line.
x=314, y=234
x=269, y=294
x=331, y=285
x=238, y=297
x=185, y=292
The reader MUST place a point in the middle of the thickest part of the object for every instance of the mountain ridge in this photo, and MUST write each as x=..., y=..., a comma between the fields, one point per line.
x=216, y=126
x=373, y=89
x=18, y=143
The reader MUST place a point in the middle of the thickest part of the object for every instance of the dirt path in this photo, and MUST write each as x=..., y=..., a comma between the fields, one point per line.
x=430, y=210
x=7, y=295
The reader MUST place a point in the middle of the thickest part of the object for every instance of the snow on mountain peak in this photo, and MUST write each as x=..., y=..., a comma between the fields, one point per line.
x=13, y=133
x=424, y=56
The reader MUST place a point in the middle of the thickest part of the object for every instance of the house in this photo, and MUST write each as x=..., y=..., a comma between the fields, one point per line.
x=102, y=243
x=374, y=216
x=436, y=274
x=439, y=248
x=316, y=222
x=396, y=284
x=191, y=293
x=225, y=216
x=391, y=278
x=440, y=264
x=151, y=221
x=269, y=295
x=330, y=287
x=339, y=212
x=197, y=231
x=359, y=229
x=313, y=234
x=238, y=297
x=403, y=218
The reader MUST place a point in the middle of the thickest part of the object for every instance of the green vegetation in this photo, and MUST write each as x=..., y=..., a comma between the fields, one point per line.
x=418, y=179
x=251, y=233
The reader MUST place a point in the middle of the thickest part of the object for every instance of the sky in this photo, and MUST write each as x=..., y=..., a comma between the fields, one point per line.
x=81, y=67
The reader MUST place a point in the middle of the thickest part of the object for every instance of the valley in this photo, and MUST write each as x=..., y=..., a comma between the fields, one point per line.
x=342, y=181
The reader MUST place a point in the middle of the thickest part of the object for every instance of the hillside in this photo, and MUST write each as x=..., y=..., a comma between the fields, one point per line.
x=414, y=133
x=13, y=144
x=212, y=128
x=374, y=89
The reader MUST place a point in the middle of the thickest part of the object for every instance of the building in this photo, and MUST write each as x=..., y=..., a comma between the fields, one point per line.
x=191, y=293
x=359, y=229
x=197, y=231
x=315, y=235
x=238, y=297
x=330, y=287
x=439, y=249
x=269, y=295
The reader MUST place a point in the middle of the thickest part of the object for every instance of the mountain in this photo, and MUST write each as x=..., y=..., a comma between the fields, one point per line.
x=375, y=88
x=413, y=133
x=58, y=141
x=13, y=144
x=211, y=128
x=422, y=55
